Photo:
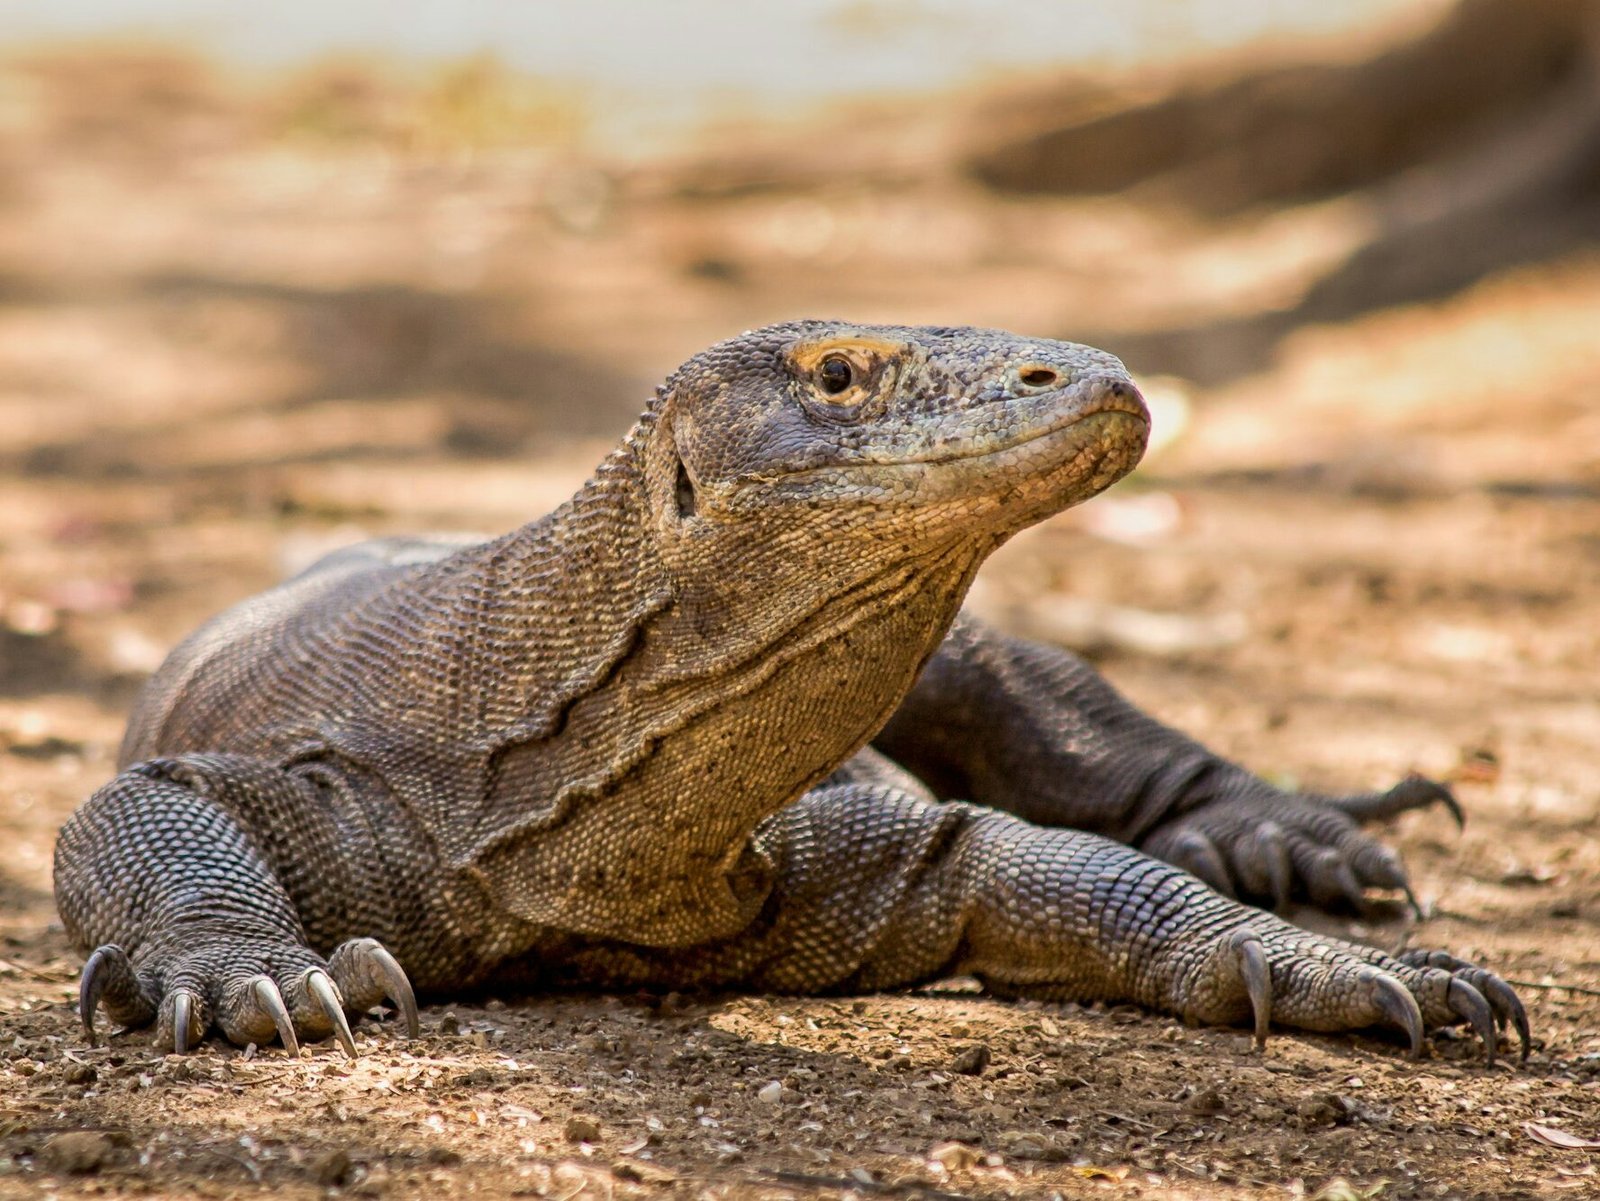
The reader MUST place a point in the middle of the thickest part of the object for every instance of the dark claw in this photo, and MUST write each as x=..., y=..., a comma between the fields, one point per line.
x=1467, y=1002
x=1397, y=1004
x=1506, y=1004
x=271, y=1001
x=1257, y=978
x=1379, y=867
x=1198, y=855
x=327, y=997
x=399, y=990
x=1501, y=996
x=1414, y=792
x=109, y=979
x=91, y=985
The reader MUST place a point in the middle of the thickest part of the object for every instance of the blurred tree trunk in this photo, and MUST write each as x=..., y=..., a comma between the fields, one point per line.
x=1476, y=144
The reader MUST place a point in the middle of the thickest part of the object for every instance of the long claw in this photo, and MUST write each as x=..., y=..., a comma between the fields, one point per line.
x=271, y=1000
x=1466, y=1001
x=1505, y=1003
x=1257, y=978
x=399, y=988
x=182, y=1020
x=1501, y=996
x=1414, y=792
x=1397, y=1004
x=1504, y=1000
x=91, y=986
x=320, y=987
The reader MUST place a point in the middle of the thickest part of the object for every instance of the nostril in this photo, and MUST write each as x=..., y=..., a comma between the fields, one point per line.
x=1039, y=377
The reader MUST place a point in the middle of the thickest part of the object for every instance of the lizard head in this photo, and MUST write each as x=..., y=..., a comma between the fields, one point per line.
x=918, y=432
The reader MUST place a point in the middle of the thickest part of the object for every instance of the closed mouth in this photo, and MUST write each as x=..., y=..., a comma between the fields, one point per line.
x=1111, y=401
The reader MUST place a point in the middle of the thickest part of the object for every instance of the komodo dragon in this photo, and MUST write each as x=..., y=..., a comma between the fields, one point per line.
x=627, y=744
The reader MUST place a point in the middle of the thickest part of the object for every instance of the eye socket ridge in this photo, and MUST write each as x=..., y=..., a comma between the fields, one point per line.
x=839, y=376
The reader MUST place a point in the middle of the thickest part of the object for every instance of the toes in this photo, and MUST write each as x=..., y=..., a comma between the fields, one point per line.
x=182, y=1021
x=1467, y=1002
x=1414, y=792
x=254, y=1011
x=1198, y=855
x=1331, y=881
x=109, y=977
x=366, y=974
x=1503, y=1001
x=251, y=993
x=1264, y=865
x=307, y=1005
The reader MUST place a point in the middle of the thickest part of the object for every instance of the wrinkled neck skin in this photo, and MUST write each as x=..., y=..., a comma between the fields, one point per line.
x=744, y=585
x=726, y=670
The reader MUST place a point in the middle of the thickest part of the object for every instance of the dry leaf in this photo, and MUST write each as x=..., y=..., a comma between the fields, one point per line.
x=954, y=1157
x=1566, y=1140
x=1091, y=1171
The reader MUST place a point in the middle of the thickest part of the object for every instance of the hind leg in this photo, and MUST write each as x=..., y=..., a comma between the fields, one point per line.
x=1035, y=731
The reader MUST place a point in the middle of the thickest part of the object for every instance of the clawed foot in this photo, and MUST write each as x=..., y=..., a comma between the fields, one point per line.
x=252, y=992
x=1272, y=849
x=1271, y=971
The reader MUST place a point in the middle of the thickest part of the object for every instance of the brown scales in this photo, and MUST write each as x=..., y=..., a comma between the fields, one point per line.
x=627, y=744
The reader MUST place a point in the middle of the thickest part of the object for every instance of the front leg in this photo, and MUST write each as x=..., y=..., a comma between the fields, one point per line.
x=203, y=887
x=875, y=888
x=1035, y=731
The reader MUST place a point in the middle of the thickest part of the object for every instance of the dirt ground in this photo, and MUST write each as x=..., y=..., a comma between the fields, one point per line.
x=230, y=338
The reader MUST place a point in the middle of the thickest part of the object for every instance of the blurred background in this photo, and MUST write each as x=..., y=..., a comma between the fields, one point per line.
x=277, y=277
x=274, y=279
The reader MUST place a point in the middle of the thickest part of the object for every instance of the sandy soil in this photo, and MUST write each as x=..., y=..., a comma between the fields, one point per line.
x=224, y=347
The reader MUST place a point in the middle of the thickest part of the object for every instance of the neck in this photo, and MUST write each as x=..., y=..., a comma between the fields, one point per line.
x=707, y=694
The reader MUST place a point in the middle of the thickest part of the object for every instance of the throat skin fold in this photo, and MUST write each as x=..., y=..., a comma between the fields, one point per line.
x=731, y=694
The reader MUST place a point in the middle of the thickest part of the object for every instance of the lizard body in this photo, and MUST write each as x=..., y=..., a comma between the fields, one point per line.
x=624, y=744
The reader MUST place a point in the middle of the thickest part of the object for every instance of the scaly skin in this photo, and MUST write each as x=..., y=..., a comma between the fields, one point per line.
x=625, y=743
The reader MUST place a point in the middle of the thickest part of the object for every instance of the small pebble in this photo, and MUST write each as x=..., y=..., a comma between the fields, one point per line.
x=1207, y=1101
x=770, y=1093
x=1026, y=1144
x=375, y=1183
x=77, y=1152
x=972, y=1060
x=581, y=1128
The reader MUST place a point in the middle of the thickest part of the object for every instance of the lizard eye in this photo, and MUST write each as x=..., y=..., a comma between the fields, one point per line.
x=835, y=374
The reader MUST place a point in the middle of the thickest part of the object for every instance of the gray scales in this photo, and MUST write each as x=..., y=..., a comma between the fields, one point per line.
x=719, y=722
